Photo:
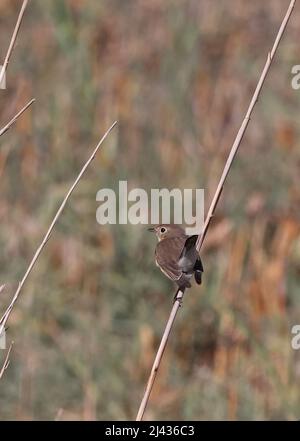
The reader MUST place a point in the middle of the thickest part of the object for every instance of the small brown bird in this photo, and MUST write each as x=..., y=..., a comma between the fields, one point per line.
x=176, y=255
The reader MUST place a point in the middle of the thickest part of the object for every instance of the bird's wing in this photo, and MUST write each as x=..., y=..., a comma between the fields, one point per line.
x=189, y=244
x=167, y=254
x=189, y=254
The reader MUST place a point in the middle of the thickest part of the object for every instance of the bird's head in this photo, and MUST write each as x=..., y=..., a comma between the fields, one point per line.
x=165, y=231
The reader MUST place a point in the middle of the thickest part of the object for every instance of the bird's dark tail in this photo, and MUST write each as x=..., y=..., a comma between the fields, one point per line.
x=198, y=268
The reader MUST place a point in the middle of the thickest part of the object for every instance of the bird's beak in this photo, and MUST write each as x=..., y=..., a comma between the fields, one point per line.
x=151, y=229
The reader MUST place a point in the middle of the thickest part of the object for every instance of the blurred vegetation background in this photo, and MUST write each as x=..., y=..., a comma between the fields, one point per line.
x=178, y=75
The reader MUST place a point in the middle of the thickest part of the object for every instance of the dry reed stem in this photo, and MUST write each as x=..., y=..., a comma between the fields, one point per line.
x=233, y=151
x=13, y=40
x=7, y=313
x=14, y=119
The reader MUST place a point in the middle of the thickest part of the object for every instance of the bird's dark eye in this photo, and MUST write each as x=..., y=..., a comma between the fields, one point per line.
x=163, y=230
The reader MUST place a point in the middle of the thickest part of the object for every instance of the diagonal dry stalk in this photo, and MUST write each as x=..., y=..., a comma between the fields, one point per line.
x=13, y=40
x=14, y=119
x=6, y=61
x=7, y=313
x=233, y=151
x=6, y=361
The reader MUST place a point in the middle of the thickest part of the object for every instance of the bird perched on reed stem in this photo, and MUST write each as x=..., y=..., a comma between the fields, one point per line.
x=176, y=255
